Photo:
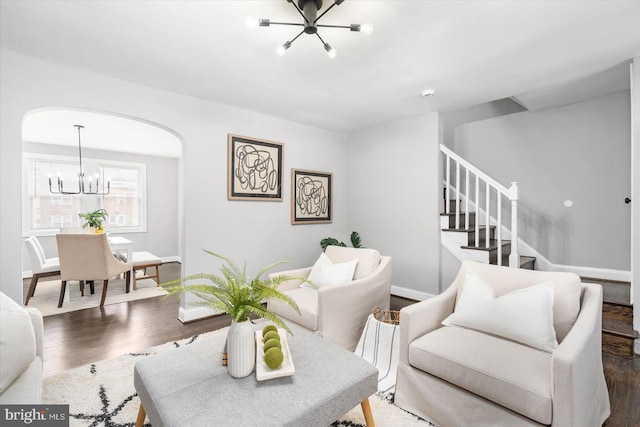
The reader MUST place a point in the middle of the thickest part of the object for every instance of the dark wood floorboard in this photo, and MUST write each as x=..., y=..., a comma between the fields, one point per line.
x=77, y=338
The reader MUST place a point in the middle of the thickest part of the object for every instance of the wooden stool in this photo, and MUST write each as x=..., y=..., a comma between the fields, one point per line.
x=143, y=260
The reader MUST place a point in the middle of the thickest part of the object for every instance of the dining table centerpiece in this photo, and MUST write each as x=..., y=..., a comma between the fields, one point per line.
x=94, y=219
x=240, y=295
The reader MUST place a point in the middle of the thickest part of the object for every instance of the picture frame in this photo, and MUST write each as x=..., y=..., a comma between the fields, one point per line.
x=254, y=169
x=311, y=197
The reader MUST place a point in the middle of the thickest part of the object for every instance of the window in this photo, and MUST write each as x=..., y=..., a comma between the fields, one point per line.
x=58, y=221
x=47, y=212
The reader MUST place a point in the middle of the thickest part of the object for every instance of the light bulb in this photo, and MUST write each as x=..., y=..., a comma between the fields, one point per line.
x=282, y=49
x=331, y=52
x=251, y=22
x=366, y=28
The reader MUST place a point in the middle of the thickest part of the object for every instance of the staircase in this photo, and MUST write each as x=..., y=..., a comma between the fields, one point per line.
x=472, y=228
x=471, y=222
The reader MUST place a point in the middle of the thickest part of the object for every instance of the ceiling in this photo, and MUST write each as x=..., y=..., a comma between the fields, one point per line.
x=101, y=131
x=541, y=53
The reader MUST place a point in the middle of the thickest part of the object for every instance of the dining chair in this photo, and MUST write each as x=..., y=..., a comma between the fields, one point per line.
x=41, y=266
x=88, y=257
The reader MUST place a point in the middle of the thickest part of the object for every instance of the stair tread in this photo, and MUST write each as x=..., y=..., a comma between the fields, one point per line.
x=619, y=328
x=468, y=230
x=493, y=245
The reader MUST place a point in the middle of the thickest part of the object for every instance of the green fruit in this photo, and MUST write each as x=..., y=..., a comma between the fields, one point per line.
x=271, y=343
x=271, y=335
x=268, y=328
x=273, y=357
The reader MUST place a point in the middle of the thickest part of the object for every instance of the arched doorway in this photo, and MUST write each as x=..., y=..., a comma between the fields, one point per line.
x=141, y=158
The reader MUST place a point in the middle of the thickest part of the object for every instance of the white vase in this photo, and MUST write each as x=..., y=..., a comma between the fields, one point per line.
x=241, y=349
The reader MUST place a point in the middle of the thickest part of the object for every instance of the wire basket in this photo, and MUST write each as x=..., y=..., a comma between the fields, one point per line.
x=391, y=317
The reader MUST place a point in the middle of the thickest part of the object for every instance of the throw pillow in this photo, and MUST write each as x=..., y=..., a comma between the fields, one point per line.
x=325, y=273
x=524, y=315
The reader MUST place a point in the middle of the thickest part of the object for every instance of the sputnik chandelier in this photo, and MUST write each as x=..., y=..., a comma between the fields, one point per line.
x=81, y=184
x=309, y=9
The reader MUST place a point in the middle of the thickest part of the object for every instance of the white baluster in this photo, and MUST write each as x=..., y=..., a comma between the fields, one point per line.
x=499, y=228
x=514, y=258
x=487, y=219
x=477, y=221
x=447, y=199
x=466, y=199
x=457, y=195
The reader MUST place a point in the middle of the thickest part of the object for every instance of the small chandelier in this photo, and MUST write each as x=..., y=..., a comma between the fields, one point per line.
x=81, y=185
x=309, y=9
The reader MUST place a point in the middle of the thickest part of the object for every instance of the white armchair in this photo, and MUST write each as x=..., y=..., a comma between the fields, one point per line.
x=460, y=376
x=21, y=353
x=338, y=312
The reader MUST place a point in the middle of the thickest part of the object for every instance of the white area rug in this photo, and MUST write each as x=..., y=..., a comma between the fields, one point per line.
x=102, y=394
x=47, y=293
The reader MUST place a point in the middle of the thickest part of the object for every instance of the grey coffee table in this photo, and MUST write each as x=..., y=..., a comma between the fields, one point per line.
x=189, y=387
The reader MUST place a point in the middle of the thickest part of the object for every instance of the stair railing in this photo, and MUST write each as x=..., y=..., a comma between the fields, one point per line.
x=491, y=187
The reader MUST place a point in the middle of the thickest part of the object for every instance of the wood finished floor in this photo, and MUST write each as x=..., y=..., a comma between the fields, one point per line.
x=77, y=338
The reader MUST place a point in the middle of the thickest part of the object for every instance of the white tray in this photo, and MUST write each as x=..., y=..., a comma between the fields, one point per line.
x=263, y=372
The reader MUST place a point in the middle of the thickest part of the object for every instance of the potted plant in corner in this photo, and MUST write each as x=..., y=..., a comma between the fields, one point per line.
x=94, y=219
x=239, y=295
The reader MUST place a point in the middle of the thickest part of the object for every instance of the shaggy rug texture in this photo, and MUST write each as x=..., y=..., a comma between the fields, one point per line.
x=102, y=394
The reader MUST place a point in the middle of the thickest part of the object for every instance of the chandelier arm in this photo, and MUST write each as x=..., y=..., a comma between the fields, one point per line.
x=325, y=12
x=335, y=26
x=299, y=11
x=294, y=39
x=323, y=42
x=286, y=23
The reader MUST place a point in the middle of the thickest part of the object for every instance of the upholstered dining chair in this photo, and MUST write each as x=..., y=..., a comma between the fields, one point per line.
x=87, y=257
x=41, y=266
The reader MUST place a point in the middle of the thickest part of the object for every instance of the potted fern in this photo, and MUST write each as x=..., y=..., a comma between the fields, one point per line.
x=94, y=219
x=239, y=295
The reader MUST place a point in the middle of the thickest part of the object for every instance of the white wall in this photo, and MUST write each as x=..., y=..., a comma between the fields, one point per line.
x=258, y=232
x=580, y=153
x=394, y=199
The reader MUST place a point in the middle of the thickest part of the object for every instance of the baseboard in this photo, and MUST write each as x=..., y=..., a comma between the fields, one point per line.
x=410, y=293
x=592, y=272
x=186, y=315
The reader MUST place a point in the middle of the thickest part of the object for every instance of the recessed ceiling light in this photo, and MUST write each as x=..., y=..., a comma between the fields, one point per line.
x=428, y=92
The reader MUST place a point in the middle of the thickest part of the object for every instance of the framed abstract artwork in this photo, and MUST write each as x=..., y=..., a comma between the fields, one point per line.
x=310, y=197
x=254, y=169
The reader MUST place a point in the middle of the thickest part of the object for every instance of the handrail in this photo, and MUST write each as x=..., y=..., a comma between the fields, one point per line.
x=495, y=184
x=499, y=190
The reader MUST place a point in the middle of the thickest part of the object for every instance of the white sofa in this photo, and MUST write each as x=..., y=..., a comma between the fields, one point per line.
x=458, y=376
x=21, y=353
x=338, y=312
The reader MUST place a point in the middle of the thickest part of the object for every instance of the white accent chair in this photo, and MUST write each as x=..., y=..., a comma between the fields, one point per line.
x=41, y=266
x=21, y=353
x=339, y=312
x=455, y=376
x=88, y=257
